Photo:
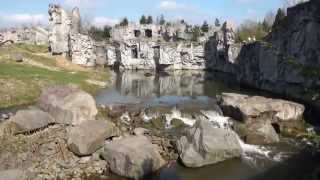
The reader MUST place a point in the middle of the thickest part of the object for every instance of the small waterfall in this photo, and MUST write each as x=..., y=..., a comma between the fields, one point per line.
x=220, y=121
x=250, y=152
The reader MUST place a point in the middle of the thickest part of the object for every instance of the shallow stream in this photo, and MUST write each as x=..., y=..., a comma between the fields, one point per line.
x=184, y=92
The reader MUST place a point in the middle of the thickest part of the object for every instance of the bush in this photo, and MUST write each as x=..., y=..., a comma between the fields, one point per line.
x=100, y=34
x=124, y=22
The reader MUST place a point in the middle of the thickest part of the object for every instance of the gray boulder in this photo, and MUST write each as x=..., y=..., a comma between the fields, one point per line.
x=89, y=136
x=257, y=133
x=285, y=115
x=15, y=174
x=133, y=157
x=30, y=120
x=68, y=105
x=204, y=144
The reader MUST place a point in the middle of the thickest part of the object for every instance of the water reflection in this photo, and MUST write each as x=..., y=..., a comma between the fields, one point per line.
x=233, y=169
x=150, y=84
x=150, y=88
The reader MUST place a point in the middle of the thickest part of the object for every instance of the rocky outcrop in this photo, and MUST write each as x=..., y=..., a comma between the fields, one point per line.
x=30, y=120
x=68, y=105
x=89, y=136
x=65, y=36
x=286, y=62
x=204, y=144
x=136, y=55
x=132, y=157
x=221, y=49
x=60, y=25
x=32, y=35
x=83, y=50
x=285, y=115
x=182, y=56
x=258, y=133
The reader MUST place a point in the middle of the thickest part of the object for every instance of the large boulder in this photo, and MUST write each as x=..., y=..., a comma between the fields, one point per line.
x=258, y=133
x=284, y=115
x=68, y=105
x=133, y=157
x=89, y=136
x=30, y=120
x=204, y=144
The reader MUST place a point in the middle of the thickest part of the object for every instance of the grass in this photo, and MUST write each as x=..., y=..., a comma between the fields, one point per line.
x=21, y=83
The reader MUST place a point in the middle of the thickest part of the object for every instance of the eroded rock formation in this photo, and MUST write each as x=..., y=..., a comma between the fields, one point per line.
x=33, y=35
x=65, y=37
x=286, y=62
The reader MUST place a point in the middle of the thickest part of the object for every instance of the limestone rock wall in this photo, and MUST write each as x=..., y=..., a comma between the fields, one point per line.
x=66, y=39
x=59, y=30
x=83, y=50
x=33, y=35
x=287, y=62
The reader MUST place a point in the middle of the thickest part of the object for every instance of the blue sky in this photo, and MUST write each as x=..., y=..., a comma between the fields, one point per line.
x=100, y=12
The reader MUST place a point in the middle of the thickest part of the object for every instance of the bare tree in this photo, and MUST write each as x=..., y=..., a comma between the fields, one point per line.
x=269, y=18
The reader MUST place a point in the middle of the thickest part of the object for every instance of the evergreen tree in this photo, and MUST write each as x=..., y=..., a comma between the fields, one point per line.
x=106, y=31
x=196, y=32
x=205, y=27
x=162, y=20
x=265, y=26
x=143, y=19
x=149, y=20
x=279, y=17
x=217, y=23
x=124, y=22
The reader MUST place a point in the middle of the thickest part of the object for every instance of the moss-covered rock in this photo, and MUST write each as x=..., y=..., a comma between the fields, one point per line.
x=177, y=123
x=158, y=123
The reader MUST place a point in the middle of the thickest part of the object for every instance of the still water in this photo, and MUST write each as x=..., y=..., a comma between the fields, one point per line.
x=190, y=91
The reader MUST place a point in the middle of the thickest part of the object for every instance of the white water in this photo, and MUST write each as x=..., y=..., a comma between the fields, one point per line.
x=249, y=151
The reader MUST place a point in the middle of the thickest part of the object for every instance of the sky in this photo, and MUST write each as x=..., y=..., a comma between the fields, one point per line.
x=102, y=12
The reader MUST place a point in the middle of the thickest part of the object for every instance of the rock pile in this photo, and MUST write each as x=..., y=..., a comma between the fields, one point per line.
x=65, y=140
x=262, y=118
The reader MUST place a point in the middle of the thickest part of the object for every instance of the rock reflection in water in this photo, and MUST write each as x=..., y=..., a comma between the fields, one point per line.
x=150, y=88
x=151, y=84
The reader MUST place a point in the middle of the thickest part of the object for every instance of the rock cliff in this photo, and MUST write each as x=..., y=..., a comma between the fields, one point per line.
x=287, y=62
x=65, y=37
x=32, y=35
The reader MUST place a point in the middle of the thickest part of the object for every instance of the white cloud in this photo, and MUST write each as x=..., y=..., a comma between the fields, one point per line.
x=188, y=12
x=101, y=21
x=85, y=4
x=174, y=6
x=23, y=20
